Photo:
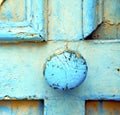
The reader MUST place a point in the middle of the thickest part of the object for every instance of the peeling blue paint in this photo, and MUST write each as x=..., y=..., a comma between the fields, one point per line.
x=31, y=27
x=66, y=70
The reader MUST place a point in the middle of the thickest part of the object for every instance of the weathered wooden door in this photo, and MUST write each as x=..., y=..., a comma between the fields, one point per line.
x=32, y=31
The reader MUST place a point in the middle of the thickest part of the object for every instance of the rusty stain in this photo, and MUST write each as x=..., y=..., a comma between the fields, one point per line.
x=31, y=35
x=21, y=33
x=107, y=31
x=67, y=44
x=1, y=2
x=22, y=107
x=102, y=107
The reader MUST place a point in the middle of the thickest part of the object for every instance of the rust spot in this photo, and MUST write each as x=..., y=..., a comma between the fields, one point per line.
x=67, y=45
x=32, y=35
x=26, y=34
x=21, y=33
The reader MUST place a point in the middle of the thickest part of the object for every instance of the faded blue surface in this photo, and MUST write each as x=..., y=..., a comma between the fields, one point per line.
x=54, y=20
x=31, y=28
x=21, y=64
x=21, y=74
x=73, y=20
x=65, y=70
x=21, y=71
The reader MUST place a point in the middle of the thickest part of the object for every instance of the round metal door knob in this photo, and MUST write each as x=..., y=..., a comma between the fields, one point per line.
x=65, y=70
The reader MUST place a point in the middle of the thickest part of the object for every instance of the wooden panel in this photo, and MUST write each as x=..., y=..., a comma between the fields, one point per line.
x=73, y=19
x=65, y=19
x=110, y=28
x=26, y=23
x=111, y=11
x=102, y=108
x=21, y=74
x=21, y=70
x=92, y=15
x=107, y=31
x=21, y=108
x=64, y=107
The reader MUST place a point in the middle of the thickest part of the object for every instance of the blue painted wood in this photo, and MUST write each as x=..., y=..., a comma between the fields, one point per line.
x=21, y=71
x=28, y=23
x=92, y=15
x=110, y=28
x=65, y=20
x=23, y=107
x=64, y=107
x=102, y=107
x=5, y=108
x=111, y=12
x=21, y=65
x=73, y=20
x=65, y=70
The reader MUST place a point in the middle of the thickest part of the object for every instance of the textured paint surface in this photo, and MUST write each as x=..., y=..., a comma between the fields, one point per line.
x=21, y=65
x=21, y=73
x=65, y=19
x=111, y=11
x=65, y=107
x=73, y=19
x=26, y=23
x=102, y=108
x=55, y=20
x=21, y=108
x=21, y=70
x=92, y=15
x=11, y=12
x=110, y=28
x=65, y=70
